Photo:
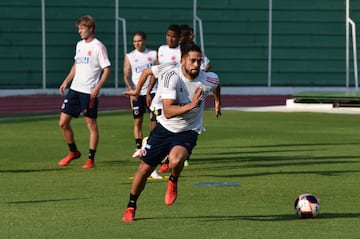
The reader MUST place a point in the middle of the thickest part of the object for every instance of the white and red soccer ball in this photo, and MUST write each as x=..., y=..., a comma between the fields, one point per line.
x=307, y=206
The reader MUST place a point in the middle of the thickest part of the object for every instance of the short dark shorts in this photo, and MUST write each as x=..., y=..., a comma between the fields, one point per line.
x=139, y=107
x=76, y=102
x=161, y=141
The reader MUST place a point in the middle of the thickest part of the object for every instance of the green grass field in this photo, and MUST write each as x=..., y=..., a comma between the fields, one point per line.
x=273, y=156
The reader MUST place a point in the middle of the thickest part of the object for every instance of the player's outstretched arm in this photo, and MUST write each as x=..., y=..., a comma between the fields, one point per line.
x=142, y=79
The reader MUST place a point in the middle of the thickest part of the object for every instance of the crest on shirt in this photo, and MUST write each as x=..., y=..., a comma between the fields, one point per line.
x=89, y=53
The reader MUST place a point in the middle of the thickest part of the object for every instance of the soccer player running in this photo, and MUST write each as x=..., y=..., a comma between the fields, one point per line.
x=183, y=93
x=88, y=74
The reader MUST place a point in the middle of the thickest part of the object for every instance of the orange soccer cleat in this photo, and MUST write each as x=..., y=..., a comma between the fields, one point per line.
x=89, y=164
x=71, y=156
x=129, y=215
x=164, y=168
x=171, y=193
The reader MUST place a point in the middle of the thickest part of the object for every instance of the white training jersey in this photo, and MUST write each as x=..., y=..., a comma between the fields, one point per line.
x=90, y=58
x=176, y=86
x=205, y=62
x=167, y=54
x=140, y=61
x=158, y=71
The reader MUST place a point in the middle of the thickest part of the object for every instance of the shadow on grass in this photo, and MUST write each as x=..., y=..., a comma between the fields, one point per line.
x=323, y=173
x=270, y=161
x=45, y=201
x=239, y=153
x=31, y=170
x=262, y=218
x=277, y=145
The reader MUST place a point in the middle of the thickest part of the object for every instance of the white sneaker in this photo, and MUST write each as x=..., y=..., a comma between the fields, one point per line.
x=186, y=163
x=155, y=175
x=137, y=153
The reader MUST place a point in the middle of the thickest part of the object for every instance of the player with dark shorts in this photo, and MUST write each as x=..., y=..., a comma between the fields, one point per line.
x=162, y=140
x=183, y=92
x=77, y=102
x=86, y=77
x=136, y=61
x=139, y=107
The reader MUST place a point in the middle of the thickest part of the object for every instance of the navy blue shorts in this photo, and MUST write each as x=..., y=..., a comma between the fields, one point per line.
x=76, y=102
x=139, y=107
x=161, y=141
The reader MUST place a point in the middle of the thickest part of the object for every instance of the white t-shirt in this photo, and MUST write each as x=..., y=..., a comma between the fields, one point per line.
x=176, y=86
x=167, y=54
x=158, y=71
x=90, y=58
x=140, y=61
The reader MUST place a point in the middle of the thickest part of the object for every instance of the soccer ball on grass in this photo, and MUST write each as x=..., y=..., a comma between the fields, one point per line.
x=307, y=206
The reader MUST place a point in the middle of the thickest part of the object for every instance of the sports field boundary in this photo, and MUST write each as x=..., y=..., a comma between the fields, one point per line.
x=50, y=102
x=19, y=102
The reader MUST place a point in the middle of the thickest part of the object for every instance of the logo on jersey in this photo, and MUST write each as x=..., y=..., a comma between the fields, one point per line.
x=83, y=60
x=139, y=69
x=89, y=53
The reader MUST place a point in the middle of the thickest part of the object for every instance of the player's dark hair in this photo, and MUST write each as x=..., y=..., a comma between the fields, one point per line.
x=175, y=28
x=140, y=33
x=185, y=30
x=188, y=46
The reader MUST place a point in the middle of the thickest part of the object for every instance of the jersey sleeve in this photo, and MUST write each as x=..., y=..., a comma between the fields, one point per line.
x=212, y=80
x=169, y=82
x=103, y=56
x=158, y=70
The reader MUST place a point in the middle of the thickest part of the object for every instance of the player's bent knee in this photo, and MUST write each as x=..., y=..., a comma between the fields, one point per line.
x=178, y=154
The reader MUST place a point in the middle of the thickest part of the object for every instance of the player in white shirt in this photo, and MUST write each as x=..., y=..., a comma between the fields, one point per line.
x=171, y=51
x=135, y=62
x=155, y=104
x=183, y=96
x=90, y=61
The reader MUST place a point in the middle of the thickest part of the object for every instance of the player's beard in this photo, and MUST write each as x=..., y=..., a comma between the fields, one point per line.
x=193, y=73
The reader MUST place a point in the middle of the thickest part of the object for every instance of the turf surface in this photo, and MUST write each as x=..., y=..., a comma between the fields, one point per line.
x=254, y=166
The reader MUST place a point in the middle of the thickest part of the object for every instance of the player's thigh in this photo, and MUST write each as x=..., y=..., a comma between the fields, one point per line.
x=71, y=105
x=157, y=146
x=178, y=153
